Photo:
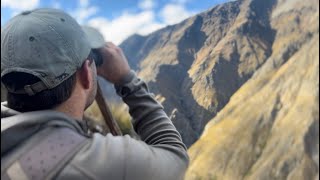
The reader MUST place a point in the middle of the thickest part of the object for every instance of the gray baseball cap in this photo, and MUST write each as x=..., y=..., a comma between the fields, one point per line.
x=47, y=43
x=95, y=37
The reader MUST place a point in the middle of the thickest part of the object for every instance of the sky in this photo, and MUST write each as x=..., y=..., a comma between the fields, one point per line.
x=116, y=19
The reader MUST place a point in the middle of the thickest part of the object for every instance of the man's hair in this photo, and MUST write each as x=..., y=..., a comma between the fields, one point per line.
x=43, y=100
x=46, y=99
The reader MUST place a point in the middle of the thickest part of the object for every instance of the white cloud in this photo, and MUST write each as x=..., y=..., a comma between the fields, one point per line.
x=20, y=4
x=84, y=11
x=143, y=23
x=181, y=1
x=127, y=24
x=83, y=14
x=55, y=4
x=146, y=4
x=149, y=28
x=15, y=12
x=174, y=13
x=84, y=3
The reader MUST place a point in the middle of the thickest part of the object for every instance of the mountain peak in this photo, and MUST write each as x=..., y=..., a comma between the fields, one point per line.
x=242, y=70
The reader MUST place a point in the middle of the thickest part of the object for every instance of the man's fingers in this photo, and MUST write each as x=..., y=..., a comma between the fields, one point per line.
x=107, y=50
x=113, y=48
x=111, y=45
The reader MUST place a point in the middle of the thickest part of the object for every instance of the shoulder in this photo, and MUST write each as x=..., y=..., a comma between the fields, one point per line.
x=103, y=156
x=122, y=157
x=43, y=153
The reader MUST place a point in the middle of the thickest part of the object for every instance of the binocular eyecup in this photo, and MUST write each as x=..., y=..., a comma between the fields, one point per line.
x=96, y=56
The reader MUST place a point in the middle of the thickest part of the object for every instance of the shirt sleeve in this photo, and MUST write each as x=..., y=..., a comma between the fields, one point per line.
x=160, y=155
x=162, y=142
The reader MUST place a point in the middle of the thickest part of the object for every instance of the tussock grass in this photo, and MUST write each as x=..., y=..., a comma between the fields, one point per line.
x=119, y=112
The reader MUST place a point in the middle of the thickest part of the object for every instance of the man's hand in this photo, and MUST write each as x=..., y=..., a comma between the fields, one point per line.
x=115, y=65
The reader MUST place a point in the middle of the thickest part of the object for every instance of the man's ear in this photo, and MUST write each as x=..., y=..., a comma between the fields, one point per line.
x=85, y=75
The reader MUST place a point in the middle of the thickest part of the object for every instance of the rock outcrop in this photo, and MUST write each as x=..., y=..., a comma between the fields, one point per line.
x=250, y=68
x=197, y=65
x=270, y=127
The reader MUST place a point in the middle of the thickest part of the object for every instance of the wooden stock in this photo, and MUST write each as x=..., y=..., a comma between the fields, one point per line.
x=106, y=113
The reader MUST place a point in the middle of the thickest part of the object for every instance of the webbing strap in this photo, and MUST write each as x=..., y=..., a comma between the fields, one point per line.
x=29, y=89
x=44, y=160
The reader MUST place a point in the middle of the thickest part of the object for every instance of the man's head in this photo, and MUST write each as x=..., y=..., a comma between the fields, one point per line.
x=46, y=59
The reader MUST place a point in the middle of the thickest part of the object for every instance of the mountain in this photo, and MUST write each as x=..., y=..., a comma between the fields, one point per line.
x=174, y=63
x=241, y=80
x=241, y=84
x=270, y=127
x=196, y=66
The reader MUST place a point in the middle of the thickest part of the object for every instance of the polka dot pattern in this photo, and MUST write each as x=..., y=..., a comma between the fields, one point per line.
x=44, y=157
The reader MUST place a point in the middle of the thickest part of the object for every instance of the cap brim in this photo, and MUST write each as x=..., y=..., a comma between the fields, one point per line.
x=94, y=36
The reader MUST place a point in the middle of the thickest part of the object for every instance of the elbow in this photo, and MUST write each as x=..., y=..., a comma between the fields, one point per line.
x=182, y=157
x=186, y=160
x=183, y=167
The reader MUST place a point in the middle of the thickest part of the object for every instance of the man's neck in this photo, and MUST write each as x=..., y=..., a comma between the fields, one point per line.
x=73, y=107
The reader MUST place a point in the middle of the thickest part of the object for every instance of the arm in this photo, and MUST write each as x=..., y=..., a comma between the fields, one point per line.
x=149, y=119
x=161, y=155
x=163, y=152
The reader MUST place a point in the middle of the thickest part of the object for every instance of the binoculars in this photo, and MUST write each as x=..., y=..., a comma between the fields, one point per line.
x=97, y=57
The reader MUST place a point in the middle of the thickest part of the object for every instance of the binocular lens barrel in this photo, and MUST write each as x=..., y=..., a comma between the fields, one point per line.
x=97, y=57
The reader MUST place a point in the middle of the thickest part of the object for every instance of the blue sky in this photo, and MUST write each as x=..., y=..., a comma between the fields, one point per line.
x=117, y=19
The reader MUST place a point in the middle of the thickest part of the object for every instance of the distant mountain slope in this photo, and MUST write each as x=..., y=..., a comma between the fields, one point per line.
x=270, y=127
x=194, y=67
x=263, y=54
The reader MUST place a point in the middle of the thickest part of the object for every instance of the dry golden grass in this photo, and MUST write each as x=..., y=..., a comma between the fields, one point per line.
x=119, y=112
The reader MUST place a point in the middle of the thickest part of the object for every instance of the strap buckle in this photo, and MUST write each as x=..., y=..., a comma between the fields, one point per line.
x=29, y=90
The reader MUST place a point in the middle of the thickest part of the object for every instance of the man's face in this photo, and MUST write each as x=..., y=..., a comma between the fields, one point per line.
x=93, y=91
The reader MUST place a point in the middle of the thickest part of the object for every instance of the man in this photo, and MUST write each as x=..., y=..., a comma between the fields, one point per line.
x=51, y=78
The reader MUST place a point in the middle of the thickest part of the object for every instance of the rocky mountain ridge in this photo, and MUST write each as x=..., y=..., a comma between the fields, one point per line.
x=197, y=65
x=241, y=84
x=250, y=68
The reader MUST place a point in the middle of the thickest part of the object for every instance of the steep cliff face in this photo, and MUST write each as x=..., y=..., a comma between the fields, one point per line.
x=270, y=127
x=253, y=66
x=196, y=66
